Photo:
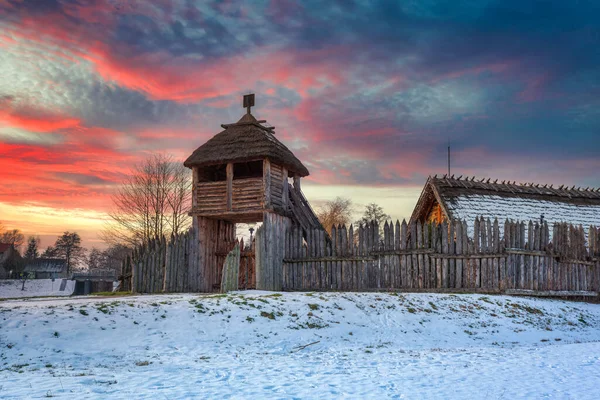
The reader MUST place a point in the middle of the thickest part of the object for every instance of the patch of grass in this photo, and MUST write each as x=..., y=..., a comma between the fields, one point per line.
x=112, y=294
x=103, y=308
x=49, y=366
x=83, y=312
x=142, y=363
x=313, y=307
x=200, y=308
x=56, y=334
x=432, y=305
x=267, y=315
x=249, y=319
x=411, y=310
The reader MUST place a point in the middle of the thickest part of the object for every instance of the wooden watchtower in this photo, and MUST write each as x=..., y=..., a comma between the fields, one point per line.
x=242, y=175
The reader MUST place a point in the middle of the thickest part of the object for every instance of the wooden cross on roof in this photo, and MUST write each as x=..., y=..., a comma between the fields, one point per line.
x=248, y=102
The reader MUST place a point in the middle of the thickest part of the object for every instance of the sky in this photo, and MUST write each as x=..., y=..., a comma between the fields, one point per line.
x=367, y=94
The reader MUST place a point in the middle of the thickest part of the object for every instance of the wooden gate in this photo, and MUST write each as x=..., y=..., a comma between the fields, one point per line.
x=247, y=276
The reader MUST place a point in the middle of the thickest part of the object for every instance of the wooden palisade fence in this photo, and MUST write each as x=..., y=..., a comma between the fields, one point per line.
x=447, y=257
x=485, y=257
x=162, y=265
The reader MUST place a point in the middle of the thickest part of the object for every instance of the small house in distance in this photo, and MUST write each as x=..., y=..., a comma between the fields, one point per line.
x=448, y=198
x=46, y=268
x=10, y=261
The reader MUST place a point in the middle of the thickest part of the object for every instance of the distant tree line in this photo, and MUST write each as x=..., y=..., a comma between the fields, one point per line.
x=153, y=200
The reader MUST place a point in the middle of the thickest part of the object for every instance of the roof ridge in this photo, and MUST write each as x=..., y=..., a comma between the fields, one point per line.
x=514, y=187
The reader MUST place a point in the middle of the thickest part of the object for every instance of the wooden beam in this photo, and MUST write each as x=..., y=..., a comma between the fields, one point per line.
x=194, y=186
x=297, y=183
x=285, y=194
x=267, y=182
x=229, y=185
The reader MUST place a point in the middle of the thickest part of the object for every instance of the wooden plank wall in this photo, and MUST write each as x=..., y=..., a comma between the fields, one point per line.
x=190, y=262
x=444, y=256
x=211, y=197
x=247, y=194
x=270, y=248
x=277, y=186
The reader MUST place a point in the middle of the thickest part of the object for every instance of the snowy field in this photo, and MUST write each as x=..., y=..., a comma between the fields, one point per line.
x=250, y=345
x=11, y=288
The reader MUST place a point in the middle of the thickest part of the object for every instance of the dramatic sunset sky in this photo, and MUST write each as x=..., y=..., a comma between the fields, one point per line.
x=367, y=94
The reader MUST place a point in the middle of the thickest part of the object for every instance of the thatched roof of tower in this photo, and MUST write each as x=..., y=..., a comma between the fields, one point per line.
x=246, y=140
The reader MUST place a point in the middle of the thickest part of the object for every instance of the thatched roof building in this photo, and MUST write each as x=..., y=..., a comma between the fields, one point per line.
x=455, y=198
x=246, y=140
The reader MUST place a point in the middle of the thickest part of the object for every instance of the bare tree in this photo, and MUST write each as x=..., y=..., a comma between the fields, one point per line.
x=335, y=212
x=114, y=256
x=96, y=259
x=154, y=200
x=14, y=237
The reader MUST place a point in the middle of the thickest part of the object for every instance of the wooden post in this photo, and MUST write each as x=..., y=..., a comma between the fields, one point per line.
x=267, y=182
x=229, y=185
x=229, y=280
x=285, y=194
x=194, y=187
x=297, y=183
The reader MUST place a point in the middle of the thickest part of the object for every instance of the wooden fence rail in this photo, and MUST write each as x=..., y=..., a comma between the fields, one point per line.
x=445, y=256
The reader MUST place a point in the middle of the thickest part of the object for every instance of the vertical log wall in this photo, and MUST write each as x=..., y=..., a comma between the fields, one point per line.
x=526, y=258
x=449, y=256
x=270, y=248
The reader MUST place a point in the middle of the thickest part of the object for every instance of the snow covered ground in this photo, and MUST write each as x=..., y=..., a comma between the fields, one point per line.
x=11, y=288
x=249, y=345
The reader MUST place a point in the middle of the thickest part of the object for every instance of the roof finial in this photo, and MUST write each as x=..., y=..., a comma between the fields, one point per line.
x=248, y=102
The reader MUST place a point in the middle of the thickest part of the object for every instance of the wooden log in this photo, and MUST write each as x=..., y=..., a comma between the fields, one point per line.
x=267, y=182
x=445, y=250
x=451, y=251
x=420, y=270
x=438, y=261
x=459, y=251
x=429, y=276
x=477, y=250
x=397, y=281
x=404, y=274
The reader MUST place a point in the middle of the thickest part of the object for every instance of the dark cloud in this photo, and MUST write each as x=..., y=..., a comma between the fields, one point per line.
x=82, y=179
